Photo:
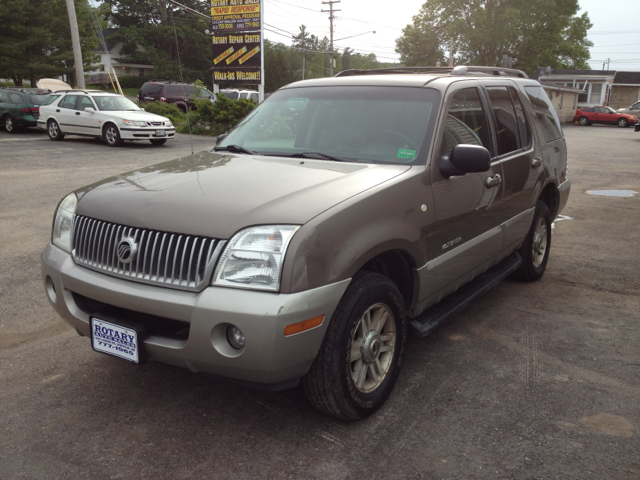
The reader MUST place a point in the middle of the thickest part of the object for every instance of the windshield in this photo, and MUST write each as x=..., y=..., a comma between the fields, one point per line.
x=114, y=104
x=359, y=124
x=230, y=95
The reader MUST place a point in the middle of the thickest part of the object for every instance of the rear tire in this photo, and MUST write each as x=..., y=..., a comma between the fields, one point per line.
x=584, y=121
x=53, y=129
x=159, y=141
x=360, y=357
x=111, y=135
x=536, y=246
x=10, y=124
x=622, y=123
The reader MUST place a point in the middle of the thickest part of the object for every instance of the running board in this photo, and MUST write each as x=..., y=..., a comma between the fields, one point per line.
x=434, y=316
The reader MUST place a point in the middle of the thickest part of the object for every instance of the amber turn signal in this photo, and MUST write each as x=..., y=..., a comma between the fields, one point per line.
x=302, y=326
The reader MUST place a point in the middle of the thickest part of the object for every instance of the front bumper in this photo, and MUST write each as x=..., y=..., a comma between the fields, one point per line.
x=268, y=356
x=146, y=133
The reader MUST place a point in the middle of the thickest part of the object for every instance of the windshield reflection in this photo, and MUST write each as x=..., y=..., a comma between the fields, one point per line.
x=357, y=124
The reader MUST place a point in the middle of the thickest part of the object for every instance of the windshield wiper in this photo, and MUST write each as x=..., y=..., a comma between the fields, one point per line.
x=318, y=154
x=235, y=149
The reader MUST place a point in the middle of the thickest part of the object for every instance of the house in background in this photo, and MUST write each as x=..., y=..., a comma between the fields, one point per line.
x=598, y=87
x=109, y=60
x=564, y=100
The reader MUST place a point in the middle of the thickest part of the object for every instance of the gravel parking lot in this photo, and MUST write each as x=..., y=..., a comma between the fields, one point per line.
x=531, y=381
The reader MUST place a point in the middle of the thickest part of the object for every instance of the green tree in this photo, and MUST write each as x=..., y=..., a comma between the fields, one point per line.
x=533, y=32
x=36, y=39
x=148, y=30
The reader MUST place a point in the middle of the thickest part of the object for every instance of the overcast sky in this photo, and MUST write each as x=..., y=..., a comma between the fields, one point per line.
x=615, y=32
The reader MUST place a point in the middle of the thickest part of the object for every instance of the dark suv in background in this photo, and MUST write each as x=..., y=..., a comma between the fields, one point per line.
x=20, y=107
x=178, y=93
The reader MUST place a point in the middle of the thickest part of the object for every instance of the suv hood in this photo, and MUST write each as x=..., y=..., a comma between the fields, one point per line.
x=217, y=194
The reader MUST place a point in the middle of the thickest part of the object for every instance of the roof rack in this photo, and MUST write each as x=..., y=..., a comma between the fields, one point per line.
x=462, y=70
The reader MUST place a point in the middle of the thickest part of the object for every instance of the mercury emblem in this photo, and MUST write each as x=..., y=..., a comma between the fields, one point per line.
x=126, y=250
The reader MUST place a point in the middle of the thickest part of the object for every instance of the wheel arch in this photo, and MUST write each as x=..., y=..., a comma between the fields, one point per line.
x=551, y=196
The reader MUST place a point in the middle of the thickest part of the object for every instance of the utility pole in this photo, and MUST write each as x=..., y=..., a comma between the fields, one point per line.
x=75, y=41
x=331, y=18
x=451, y=52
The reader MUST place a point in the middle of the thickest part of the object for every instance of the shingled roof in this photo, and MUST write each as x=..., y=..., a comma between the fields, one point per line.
x=628, y=78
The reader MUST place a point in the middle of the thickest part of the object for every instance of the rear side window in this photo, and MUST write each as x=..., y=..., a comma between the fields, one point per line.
x=68, y=102
x=544, y=112
x=466, y=122
x=254, y=97
x=523, y=124
x=151, y=88
x=3, y=97
x=174, y=90
x=16, y=98
x=506, y=122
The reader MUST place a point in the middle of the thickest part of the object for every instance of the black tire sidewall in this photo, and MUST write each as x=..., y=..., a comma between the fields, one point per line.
x=118, y=140
x=622, y=123
x=584, y=122
x=382, y=291
x=58, y=136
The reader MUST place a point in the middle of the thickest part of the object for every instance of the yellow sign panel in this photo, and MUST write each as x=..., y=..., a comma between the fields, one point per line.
x=251, y=53
x=236, y=55
x=223, y=55
x=235, y=10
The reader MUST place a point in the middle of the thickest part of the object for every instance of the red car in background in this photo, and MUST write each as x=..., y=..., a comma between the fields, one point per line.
x=606, y=115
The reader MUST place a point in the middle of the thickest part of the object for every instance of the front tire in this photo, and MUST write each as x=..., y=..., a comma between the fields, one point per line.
x=111, y=135
x=53, y=129
x=584, y=121
x=536, y=246
x=360, y=358
x=10, y=124
x=159, y=141
x=622, y=123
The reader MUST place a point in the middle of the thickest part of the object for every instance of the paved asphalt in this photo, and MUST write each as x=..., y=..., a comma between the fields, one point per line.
x=531, y=381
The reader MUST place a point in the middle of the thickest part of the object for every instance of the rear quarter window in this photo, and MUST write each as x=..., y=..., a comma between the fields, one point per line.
x=544, y=112
x=39, y=99
x=151, y=88
x=16, y=98
x=174, y=90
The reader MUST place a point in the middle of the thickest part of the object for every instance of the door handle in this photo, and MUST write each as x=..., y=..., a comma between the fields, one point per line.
x=536, y=162
x=493, y=181
x=57, y=110
x=77, y=113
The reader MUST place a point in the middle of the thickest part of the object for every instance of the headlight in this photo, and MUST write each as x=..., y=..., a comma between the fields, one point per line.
x=63, y=222
x=168, y=123
x=135, y=123
x=253, y=258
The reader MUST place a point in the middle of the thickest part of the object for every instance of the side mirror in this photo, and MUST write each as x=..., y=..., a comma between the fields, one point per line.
x=220, y=138
x=465, y=159
x=143, y=109
x=89, y=110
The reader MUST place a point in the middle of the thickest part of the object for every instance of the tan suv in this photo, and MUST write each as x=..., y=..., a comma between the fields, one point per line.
x=340, y=215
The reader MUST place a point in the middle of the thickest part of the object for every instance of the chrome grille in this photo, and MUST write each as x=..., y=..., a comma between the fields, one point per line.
x=167, y=259
x=155, y=124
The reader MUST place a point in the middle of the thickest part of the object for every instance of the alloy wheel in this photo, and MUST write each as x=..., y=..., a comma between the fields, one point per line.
x=372, y=348
x=539, y=246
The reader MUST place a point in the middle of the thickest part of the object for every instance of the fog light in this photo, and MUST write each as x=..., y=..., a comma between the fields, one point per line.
x=235, y=337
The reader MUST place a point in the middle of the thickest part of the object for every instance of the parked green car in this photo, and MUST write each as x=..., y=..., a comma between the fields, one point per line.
x=21, y=107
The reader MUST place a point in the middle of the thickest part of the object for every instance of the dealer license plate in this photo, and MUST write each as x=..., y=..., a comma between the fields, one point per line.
x=116, y=340
x=161, y=133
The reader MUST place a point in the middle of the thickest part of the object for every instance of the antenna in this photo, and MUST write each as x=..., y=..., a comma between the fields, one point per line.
x=182, y=81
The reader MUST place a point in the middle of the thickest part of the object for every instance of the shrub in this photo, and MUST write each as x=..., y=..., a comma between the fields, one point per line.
x=168, y=110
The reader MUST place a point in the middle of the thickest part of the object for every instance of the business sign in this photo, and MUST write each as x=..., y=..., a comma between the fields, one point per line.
x=237, y=41
x=229, y=15
x=236, y=49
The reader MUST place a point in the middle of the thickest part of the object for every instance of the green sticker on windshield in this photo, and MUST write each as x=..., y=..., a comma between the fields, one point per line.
x=402, y=153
